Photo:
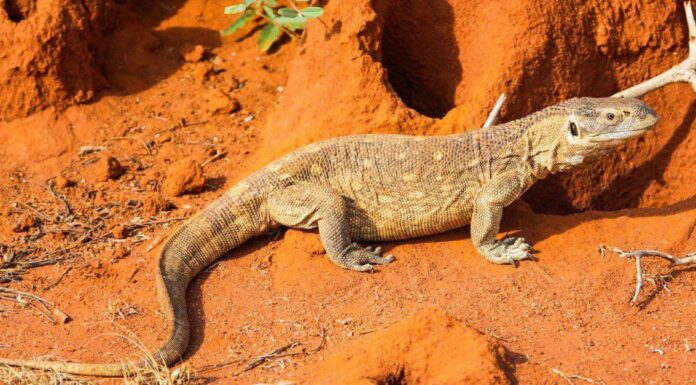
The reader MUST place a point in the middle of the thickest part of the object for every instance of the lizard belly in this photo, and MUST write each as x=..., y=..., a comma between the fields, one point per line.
x=409, y=215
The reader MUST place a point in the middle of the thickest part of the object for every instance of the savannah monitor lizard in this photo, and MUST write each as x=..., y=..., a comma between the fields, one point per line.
x=385, y=187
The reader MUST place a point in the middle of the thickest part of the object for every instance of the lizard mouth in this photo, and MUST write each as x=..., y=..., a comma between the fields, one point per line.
x=616, y=136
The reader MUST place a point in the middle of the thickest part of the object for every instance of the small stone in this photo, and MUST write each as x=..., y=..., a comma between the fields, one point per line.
x=95, y=263
x=25, y=223
x=6, y=211
x=107, y=167
x=192, y=53
x=58, y=236
x=184, y=176
x=218, y=102
x=60, y=316
x=201, y=71
x=120, y=232
x=163, y=138
x=154, y=204
x=119, y=253
x=63, y=182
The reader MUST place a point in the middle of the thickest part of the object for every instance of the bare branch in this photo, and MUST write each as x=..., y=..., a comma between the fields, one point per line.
x=684, y=72
x=493, y=115
x=265, y=357
x=572, y=377
x=639, y=254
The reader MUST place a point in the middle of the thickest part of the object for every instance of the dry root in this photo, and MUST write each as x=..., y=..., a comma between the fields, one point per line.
x=637, y=255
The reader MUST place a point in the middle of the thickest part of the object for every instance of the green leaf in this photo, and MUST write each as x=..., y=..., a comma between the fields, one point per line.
x=238, y=8
x=292, y=23
x=269, y=34
x=248, y=2
x=271, y=3
x=288, y=12
x=312, y=12
x=269, y=12
x=239, y=23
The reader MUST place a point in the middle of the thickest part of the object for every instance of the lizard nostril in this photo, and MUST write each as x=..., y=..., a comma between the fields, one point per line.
x=645, y=111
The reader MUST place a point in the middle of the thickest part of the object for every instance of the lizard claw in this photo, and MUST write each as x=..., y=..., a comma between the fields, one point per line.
x=508, y=251
x=363, y=259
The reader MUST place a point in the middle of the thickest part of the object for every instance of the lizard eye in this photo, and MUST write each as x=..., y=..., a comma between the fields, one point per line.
x=573, y=129
x=610, y=116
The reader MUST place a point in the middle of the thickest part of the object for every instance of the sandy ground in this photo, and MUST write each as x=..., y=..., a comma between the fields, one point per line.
x=440, y=314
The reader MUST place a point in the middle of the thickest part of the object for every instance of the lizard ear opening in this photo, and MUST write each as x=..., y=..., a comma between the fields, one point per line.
x=573, y=129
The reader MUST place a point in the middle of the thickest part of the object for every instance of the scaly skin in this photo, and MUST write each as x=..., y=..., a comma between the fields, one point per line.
x=385, y=187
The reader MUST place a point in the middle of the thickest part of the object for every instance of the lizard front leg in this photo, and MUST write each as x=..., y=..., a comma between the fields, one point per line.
x=485, y=221
x=308, y=206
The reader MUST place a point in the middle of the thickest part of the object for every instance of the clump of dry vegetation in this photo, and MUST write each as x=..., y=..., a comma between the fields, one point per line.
x=153, y=372
x=120, y=310
x=23, y=376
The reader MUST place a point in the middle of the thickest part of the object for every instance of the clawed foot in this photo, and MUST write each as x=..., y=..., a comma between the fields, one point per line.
x=364, y=258
x=508, y=251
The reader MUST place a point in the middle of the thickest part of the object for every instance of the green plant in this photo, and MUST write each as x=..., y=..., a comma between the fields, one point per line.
x=278, y=18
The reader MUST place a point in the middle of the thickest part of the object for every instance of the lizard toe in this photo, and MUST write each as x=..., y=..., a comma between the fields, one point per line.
x=508, y=251
x=518, y=255
x=366, y=267
x=513, y=241
x=383, y=260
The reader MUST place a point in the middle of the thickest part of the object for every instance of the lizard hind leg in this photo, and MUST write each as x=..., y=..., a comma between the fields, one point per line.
x=308, y=206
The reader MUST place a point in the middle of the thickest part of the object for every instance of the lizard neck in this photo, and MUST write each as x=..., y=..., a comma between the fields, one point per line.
x=540, y=151
x=525, y=143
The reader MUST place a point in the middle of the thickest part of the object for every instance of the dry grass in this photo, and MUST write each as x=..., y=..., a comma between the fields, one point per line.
x=24, y=376
x=120, y=310
x=155, y=372
x=152, y=372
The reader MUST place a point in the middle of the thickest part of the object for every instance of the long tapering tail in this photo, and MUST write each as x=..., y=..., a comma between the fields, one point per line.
x=226, y=223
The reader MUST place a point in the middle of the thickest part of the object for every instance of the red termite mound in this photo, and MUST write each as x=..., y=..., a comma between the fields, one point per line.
x=50, y=53
x=429, y=347
x=437, y=67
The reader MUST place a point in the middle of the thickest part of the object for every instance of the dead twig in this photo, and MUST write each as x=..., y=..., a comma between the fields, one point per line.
x=222, y=365
x=58, y=280
x=493, y=115
x=637, y=255
x=137, y=269
x=218, y=155
x=684, y=72
x=155, y=243
x=150, y=224
x=181, y=123
x=572, y=377
x=147, y=146
x=35, y=211
x=84, y=150
x=38, y=303
x=322, y=341
x=67, y=211
x=265, y=357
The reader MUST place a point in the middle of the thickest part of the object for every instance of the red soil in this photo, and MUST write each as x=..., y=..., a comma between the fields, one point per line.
x=426, y=348
x=176, y=90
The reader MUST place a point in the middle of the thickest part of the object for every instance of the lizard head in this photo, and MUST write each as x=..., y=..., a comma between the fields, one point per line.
x=594, y=126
